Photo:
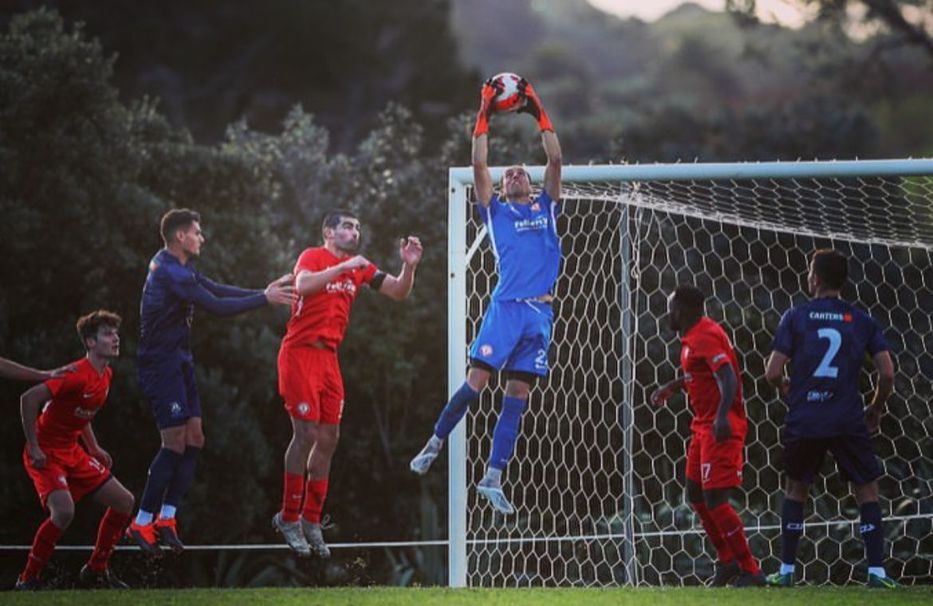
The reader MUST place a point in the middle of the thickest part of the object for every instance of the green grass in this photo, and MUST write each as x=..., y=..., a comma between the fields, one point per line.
x=400, y=596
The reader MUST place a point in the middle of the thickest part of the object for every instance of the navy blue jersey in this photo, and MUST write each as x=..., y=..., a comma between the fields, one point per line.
x=826, y=340
x=525, y=242
x=167, y=308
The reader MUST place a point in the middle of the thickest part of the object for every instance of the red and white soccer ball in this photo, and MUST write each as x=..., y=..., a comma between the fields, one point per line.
x=509, y=99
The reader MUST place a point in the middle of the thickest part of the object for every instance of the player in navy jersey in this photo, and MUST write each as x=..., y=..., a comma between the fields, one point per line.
x=516, y=330
x=166, y=368
x=825, y=341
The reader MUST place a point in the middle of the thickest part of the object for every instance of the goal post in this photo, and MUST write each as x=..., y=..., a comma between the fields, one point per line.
x=597, y=478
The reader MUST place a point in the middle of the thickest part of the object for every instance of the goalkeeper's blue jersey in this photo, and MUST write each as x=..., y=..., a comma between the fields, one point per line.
x=526, y=246
x=826, y=340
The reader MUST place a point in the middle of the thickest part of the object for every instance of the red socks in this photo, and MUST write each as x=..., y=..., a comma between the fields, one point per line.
x=315, y=493
x=42, y=547
x=730, y=527
x=292, y=496
x=108, y=534
x=723, y=551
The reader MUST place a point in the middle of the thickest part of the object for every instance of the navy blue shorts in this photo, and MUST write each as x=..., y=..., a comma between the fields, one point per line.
x=854, y=455
x=172, y=393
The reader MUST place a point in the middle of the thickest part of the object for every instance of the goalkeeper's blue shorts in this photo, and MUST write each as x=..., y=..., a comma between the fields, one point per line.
x=515, y=336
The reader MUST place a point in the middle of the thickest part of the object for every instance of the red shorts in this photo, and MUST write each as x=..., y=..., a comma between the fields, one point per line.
x=70, y=469
x=713, y=464
x=311, y=385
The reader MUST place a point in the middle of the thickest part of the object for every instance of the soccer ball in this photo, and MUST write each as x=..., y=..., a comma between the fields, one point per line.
x=509, y=99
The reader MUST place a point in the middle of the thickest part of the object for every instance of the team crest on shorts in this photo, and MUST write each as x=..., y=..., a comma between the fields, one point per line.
x=304, y=408
x=62, y=481
x=175, y=409
x=485, y=350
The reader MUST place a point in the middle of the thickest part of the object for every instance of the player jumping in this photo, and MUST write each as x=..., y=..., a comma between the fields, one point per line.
x=328, y=279
x=516, y=331
x=166, y=367
x=715, y=452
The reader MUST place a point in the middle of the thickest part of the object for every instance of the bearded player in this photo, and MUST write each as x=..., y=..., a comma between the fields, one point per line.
x=63, y=472
x=515, y=333
x=715, y=452
x=327, y=279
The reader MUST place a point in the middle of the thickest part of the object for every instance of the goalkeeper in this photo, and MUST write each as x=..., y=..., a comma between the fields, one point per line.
x=516, y=329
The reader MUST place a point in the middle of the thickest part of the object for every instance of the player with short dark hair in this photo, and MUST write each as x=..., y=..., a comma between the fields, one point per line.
x=172, y=290
x=711, y=377
x=515, y=333
x=64, y=473
x=825, y=341
x=327, y=279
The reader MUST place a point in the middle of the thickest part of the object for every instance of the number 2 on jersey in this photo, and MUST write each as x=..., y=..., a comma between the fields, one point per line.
x=825, y=369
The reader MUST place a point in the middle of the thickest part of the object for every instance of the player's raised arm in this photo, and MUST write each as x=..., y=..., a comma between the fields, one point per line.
x=533, y=106
x=399, y=287
x=482, y=179
x=309, y=282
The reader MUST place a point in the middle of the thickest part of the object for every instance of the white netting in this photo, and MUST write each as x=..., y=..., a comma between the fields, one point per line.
x=597, y=478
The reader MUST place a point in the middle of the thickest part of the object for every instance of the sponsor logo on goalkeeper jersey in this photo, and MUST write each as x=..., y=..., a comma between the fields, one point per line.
x=830, y=316
x=339, y=286
x=537, y=224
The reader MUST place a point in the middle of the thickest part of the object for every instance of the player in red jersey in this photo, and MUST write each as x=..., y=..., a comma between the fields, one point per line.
x=327, y=279
x=715, y=453
x=62, y=471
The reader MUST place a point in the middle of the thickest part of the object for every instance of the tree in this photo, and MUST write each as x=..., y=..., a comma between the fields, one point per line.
x=908, y=21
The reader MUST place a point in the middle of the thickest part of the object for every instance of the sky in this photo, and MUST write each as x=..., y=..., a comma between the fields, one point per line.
x=781, y=11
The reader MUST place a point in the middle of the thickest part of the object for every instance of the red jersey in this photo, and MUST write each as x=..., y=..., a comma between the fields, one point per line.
x=76, y=398
x=705, y=349
x=324, y=315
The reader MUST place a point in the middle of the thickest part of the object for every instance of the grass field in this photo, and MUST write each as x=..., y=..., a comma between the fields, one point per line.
x=400, y=596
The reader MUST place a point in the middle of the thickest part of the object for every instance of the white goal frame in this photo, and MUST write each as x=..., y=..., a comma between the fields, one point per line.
x=460, y=252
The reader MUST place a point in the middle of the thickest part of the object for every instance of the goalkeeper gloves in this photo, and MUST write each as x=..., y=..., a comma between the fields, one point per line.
x=533, y=105
x=491, y=88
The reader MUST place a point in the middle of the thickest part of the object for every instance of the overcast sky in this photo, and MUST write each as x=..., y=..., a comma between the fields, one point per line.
x=782, y=11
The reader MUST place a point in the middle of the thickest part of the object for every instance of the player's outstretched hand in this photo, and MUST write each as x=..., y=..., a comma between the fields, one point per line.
x=873, y=418
x=410, y=249
x=533, y=105
x=282, y=291
x=37, y=457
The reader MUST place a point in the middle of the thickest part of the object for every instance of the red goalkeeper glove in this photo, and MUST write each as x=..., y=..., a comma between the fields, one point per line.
x=533, y=105
x=491, y=88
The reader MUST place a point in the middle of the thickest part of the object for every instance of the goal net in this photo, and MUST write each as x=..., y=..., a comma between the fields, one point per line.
x=598, y=474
